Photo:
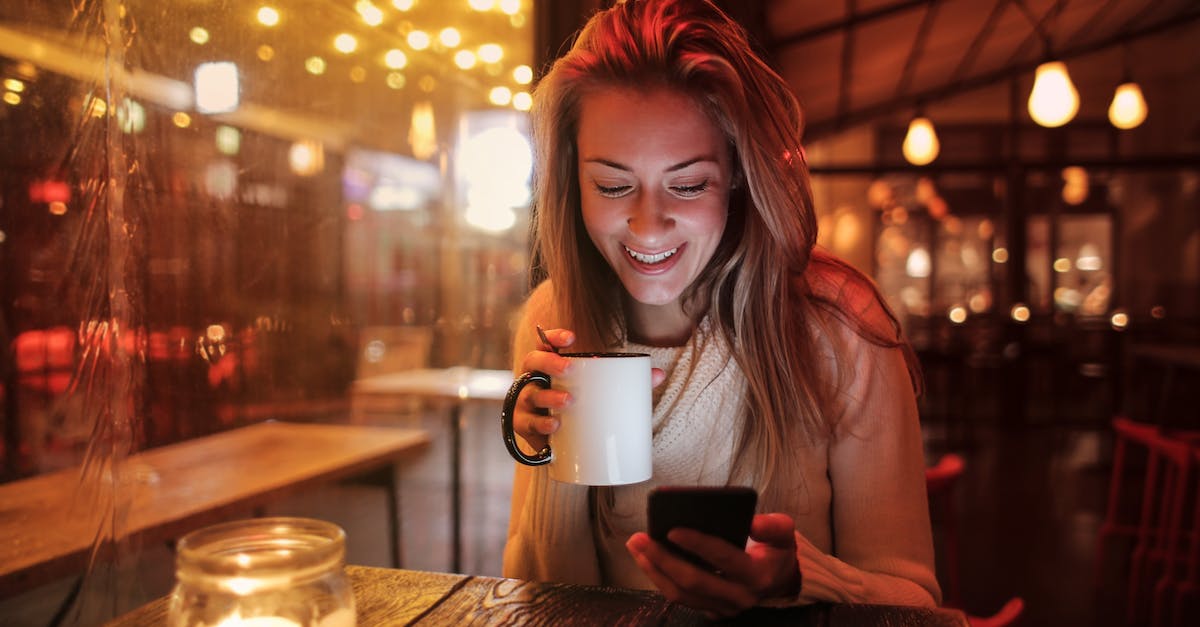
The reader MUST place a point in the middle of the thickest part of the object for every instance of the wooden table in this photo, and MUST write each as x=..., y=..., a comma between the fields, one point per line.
x=48, y=522
x=457, y=385
x=407, y=597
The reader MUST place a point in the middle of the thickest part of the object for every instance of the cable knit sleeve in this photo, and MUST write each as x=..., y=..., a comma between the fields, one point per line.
x=883, y=545
x=549, y=531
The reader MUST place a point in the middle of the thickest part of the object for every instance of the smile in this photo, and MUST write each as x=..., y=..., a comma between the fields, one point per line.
x=650, y=259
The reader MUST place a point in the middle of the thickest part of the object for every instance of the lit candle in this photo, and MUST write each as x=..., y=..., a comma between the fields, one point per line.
x=236, y=620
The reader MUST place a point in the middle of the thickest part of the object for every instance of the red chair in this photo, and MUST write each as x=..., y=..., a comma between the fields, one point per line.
x=1007, y=615
x=1158, y=552
x=1126, y=432
x=1175, y=595
x=939, y=482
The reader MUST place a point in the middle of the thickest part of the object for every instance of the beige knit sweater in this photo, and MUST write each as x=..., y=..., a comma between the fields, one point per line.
x=872, y=544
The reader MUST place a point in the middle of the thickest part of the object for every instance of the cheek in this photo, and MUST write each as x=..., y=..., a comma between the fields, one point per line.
x=594, y=224
x=712, y=221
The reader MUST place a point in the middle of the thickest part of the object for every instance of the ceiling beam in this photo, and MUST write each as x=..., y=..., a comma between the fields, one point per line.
x=981, y=37
x=845, y=74
x=850, y=22
x=917, y=49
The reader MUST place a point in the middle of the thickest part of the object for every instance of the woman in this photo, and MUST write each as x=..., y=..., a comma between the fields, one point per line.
x=675, y=218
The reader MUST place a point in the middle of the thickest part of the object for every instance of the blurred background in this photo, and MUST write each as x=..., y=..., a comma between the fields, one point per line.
x=215, y=213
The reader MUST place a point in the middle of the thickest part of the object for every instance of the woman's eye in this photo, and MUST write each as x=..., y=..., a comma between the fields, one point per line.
x=690, y=190
x=613, y=191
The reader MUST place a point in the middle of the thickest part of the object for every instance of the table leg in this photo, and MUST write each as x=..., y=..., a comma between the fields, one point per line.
x=456, y=486
x=394, y=522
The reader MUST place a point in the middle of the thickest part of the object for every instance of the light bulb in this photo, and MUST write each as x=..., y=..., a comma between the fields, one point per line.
x=1053, y=100
x=1128, y=108
x=921, y=144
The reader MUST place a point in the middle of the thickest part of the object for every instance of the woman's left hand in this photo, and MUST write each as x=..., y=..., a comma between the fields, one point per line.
x=766, y=568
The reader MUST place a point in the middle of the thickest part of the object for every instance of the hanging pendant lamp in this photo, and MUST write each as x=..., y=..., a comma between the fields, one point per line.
x=921, y=144
x=1053, y=100
x=1128, y=108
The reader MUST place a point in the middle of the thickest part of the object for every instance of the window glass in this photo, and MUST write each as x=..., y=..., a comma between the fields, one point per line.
x=216, y=212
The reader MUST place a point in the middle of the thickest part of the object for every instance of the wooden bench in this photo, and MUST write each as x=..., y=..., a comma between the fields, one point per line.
x=48, y=523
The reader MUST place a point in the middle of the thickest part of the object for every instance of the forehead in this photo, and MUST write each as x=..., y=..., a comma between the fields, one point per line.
x=627, y=119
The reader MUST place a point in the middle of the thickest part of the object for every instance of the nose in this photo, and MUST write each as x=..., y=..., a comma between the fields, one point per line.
x=649, y=218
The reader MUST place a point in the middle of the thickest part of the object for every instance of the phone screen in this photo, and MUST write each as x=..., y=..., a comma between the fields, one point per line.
x=722, y=511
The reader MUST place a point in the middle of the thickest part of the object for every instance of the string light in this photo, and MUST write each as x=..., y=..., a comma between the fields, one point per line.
x=395, y=59
x=268, y=16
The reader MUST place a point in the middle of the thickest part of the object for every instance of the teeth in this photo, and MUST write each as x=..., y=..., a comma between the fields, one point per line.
x=656, y=258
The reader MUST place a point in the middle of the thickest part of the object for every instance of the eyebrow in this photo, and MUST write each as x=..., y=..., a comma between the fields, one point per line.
x=678, y=166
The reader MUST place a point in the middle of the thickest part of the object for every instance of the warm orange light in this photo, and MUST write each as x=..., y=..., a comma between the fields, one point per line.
x=464, y=59
x=370, y=13
x=1053, y=101
x=491, y=53
x=500, y=96
x=418, y=40
x=395, y=59
x=198, y=35
x=1128, y=108
x=268, y=16
x=921, y=144
x=450, y=37
x=522, y=101
x=345, y=43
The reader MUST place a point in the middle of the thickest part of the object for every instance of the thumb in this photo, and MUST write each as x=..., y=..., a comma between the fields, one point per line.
x=657, y=376
x=773, y=529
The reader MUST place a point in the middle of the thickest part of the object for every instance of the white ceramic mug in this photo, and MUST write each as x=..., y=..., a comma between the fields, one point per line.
x=604, y=436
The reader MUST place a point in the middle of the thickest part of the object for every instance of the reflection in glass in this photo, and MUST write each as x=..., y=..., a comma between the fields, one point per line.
x=175, y=168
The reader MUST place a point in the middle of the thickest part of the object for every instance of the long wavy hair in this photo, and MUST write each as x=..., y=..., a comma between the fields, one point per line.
x=753, y=289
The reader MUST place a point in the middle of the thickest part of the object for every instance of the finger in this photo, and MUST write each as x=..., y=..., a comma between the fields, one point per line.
x=733, y=563
x=561, y=338
x=657, y=376
x=651, y=557
x=700, y=588
x=540, y=399
x=545, y=361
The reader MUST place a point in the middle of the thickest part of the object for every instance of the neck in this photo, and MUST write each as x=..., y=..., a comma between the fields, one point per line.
x=658, y=325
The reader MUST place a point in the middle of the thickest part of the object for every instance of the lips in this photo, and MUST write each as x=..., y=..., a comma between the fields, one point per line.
x=655, y=263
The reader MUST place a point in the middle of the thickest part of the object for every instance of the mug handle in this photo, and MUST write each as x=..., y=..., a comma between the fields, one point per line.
x=506, y=419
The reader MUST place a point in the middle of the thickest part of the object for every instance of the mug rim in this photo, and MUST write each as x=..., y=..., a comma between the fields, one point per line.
x=602, y=355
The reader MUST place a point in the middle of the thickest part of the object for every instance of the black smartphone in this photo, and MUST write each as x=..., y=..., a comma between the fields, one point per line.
x=721, y=511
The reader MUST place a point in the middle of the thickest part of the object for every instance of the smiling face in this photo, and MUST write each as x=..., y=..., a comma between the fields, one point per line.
x=654, y=177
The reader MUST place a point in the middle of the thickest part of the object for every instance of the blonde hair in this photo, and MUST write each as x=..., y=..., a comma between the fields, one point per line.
x=753, y=288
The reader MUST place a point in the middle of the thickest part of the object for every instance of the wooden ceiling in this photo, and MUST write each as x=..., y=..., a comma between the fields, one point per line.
x=869, y=62
x=861, y=61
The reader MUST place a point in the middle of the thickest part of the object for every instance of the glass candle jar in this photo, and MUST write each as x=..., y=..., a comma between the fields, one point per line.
x=262, y=572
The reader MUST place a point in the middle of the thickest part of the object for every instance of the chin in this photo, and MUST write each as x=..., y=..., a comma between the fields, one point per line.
x=654, y=297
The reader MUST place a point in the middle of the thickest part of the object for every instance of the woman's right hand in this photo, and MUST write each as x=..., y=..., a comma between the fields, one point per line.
x=533, y=417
